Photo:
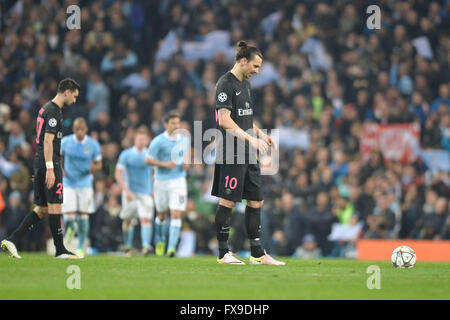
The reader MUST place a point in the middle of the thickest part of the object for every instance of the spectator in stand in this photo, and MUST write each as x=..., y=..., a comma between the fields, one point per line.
x=431, y=224
x=319, y=223
x=16, y=136
x=120, y=60
x=442, y=99
x=410, y=211
x=445, y=131
x=286, y=224
x=106, y=230
x=97, y=42
x=344, y=209
x=445, y=235
x=382, y=222
x=13, y=216
x=97, y=96
x=308, y=249
x=20, y=179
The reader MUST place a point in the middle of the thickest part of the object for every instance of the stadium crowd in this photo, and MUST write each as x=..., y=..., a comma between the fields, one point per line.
x=325, y=77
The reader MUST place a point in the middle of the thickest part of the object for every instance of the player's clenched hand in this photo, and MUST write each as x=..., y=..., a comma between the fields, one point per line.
x=49, y=178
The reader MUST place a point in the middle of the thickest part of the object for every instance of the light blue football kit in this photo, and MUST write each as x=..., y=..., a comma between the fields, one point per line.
x=138, y=178
x=170, y=189
x=78, y=182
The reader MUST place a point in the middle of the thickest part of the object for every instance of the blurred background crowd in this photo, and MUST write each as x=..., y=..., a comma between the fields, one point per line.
x=329, y=84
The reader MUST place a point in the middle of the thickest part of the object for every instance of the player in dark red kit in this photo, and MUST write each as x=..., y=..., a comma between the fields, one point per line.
x=237, y=173
x=47, y=182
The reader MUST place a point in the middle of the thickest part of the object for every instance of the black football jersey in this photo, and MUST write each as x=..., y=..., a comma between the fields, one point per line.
x=49, y=120
x=235, y=96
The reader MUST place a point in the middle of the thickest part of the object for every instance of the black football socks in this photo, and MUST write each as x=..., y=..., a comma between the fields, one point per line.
x=253, y=226
x=222, y=222
x=57, y=233
x=27, y=224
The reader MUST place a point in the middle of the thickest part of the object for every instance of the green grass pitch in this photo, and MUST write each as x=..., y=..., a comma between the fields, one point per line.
x=39, y=276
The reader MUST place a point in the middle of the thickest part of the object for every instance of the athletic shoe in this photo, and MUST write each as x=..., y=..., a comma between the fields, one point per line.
x=128, y=251
x=125, y=249
x=160, y=248
x=228, y=258
x=80, y=253
x=266, y=259
x=67, y=255
x=147, y=251
x=10, y=247
x=171, y=253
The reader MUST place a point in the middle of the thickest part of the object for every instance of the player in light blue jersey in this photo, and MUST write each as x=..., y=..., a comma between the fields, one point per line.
x=168, y=153
x=134, y=177
x=81, y=157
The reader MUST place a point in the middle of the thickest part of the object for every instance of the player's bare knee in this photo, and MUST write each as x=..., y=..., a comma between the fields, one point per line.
x=41, y=211
x=126, y=223
x=227, y=203
x=145, y=221
x=162, y=215
x=54, y=208
x=255, y=204
x=175, y=214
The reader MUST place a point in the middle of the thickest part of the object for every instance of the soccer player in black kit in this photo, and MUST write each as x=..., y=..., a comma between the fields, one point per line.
x=237, y=173
x=47, y=182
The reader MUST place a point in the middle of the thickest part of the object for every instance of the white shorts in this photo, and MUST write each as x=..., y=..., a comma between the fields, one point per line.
x=140, y=207
x=78, y=200
x=170, y=194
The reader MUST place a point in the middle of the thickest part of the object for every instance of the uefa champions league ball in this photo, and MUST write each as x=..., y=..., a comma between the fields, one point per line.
x=403, y=257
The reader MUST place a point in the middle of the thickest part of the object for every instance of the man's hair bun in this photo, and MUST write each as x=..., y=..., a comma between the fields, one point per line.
x=242, y=43
x=243, y=50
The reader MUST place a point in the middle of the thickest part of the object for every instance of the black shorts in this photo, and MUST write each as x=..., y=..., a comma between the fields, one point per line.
x=235, y=182
x=42, y=195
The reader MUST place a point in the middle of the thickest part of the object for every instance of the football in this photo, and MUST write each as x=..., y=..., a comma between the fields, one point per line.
x=403, y=257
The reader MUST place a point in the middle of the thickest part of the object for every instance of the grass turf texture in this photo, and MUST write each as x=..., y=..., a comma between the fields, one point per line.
x=38, y=276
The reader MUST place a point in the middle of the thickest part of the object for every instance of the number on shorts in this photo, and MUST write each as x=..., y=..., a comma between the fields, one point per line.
x=232, y=182
x=59, y=186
